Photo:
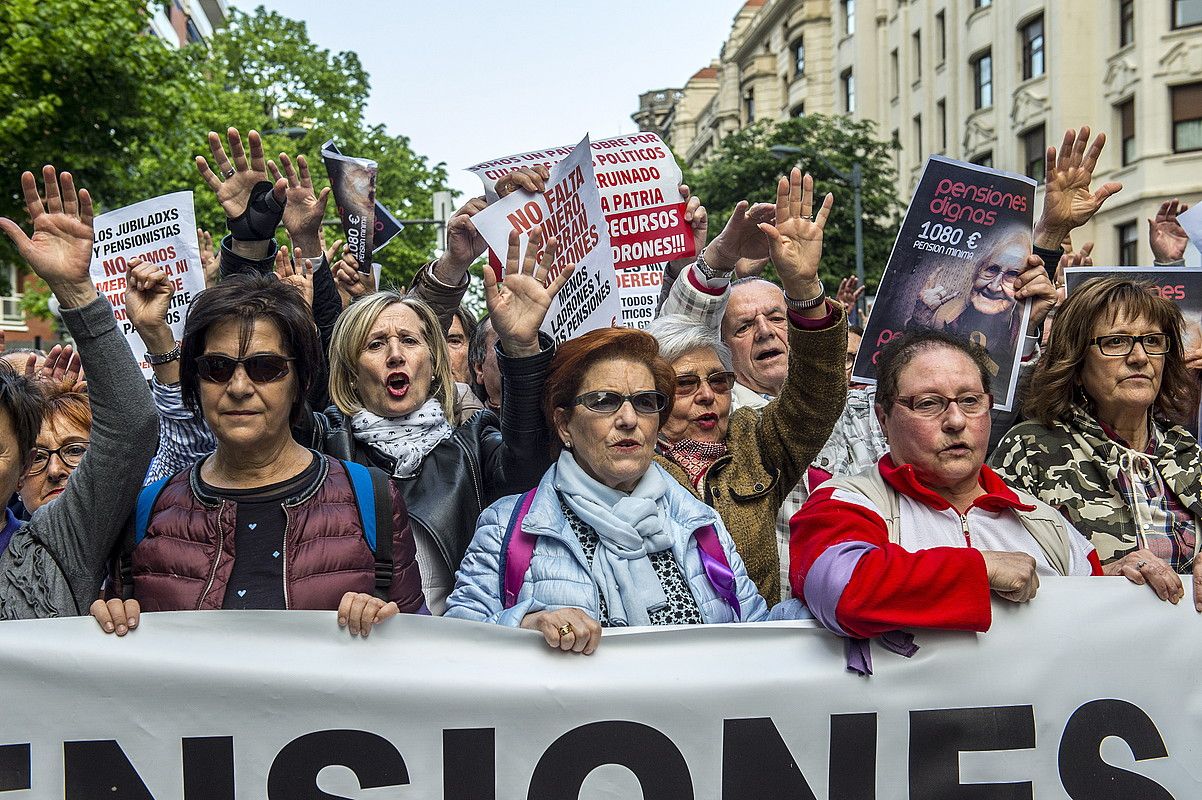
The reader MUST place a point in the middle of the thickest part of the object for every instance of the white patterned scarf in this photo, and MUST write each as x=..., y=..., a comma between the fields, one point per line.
x=407, y=439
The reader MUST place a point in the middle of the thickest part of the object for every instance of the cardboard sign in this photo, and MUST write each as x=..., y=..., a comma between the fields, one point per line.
x=160, y=231
x=386, y=226
x=964, y=241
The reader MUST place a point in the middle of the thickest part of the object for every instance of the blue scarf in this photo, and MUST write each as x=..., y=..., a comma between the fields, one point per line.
x=630, y=528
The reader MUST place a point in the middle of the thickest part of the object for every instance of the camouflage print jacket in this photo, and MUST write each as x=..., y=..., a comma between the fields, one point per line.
x=1074, y=467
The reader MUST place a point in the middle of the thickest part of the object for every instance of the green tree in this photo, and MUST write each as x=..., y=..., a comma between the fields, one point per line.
x=743, y=168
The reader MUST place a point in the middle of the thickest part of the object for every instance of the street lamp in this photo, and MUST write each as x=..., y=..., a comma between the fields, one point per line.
x=855, y=181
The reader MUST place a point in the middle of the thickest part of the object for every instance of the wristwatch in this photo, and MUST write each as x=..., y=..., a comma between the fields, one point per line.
x=163, y=358
x=708, y=271
x=806, y=305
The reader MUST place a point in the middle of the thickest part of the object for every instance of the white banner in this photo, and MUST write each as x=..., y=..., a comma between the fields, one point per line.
x=1087, y=692
x=161, y=231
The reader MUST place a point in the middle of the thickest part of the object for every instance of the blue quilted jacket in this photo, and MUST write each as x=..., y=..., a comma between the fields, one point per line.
x=559, y=576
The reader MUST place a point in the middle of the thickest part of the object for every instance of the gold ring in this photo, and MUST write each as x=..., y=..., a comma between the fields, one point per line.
x=566, y=629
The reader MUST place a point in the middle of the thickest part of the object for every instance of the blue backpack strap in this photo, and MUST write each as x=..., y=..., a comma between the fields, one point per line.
x=717, y=567
x=373, y=496
x=517, y=548
x=146, y=500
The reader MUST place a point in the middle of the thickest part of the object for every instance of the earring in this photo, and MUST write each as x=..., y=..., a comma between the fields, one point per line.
x=567, y=445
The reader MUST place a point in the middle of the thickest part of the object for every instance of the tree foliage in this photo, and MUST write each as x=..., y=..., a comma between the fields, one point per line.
x=84, y=85
x=744, y=168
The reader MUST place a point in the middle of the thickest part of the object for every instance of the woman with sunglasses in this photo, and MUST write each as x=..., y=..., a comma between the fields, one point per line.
x=1105, y=442
x=608, y=537
x=262, y=522
x=745, y=463
x=391, y=382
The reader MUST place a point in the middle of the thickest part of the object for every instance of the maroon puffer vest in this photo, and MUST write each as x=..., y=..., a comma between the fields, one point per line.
x=188, y=554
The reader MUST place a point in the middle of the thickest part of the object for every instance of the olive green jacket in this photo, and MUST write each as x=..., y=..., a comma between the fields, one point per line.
x=769, y=449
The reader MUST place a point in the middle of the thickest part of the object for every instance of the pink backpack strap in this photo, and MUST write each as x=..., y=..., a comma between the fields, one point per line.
x=717, y=568
x=517, y=548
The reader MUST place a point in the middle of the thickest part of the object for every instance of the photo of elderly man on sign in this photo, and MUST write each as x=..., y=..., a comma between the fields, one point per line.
x=956, y=267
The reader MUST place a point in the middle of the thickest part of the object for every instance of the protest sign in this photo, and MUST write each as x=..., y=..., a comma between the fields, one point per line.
x=386, y=226
x=353, y=183
x=1058, y=699
x=639, y=183
x=160, y=231
x=1191, y=222
x=570, y=210
x=964, y=241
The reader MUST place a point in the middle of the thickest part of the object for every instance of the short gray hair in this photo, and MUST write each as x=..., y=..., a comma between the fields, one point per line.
x=679, y=335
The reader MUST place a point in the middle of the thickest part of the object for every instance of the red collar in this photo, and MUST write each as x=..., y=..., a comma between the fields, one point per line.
x=998, y=496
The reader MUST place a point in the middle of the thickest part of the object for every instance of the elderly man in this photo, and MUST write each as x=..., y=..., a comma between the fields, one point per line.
x=923, y=537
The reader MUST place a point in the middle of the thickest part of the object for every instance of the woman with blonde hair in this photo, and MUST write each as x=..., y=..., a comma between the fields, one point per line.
x=390, y=381
x=1104, y=443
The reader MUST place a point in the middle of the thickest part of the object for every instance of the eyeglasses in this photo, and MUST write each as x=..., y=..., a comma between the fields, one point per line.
x=720, y=382
x=1121, y=344
x=609, y=402
x=70, y=454
x=259, y=368
x=971, y=404
x=991, y=271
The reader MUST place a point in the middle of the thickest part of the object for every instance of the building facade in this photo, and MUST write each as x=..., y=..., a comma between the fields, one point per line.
x=989, y=81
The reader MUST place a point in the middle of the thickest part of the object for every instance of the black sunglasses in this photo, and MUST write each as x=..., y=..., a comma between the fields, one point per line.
x=609, y=402
x=259, y=368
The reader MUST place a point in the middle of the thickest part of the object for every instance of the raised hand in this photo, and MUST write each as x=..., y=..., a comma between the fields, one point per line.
x=62, y=366
x=464, y=243
x=796, y=239
x=303, y=209
x=148, y=295
x=697, y=217
x=1165, y=234
x=518, y=306
x=60, y=250
x=1033, y=284
x=210, y=257
x=742, y=237
x=296, y=271
x=528, y=179
x=352, y=284
x=1068, y=202
x=849, y=292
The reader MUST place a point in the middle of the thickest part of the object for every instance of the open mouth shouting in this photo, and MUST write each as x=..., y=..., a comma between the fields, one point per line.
x=398, y=385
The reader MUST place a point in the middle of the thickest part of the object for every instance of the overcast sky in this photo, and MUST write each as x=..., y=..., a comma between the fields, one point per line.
x=472, y=80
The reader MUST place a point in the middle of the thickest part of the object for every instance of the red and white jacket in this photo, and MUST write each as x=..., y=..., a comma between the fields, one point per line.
x=935, y=577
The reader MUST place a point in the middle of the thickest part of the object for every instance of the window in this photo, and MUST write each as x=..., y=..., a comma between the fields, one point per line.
x=1128, y=234
x=1034, y=153
x=849, y=17
x=982, y=80
x=894, y=78
x=895, y=141
x=941, y=121
x=1126, y=22
x=1127, y=130
x=799, y=57
x=918, y=150
x=981, y=3
x=916, y=39
x=749, y=105
x=1187, y=13
x=983, y=159
x=849, y=92
x=10, y=304
x=1187, y=117
x=940, y=38
x=799, y=110
x=1033, y=54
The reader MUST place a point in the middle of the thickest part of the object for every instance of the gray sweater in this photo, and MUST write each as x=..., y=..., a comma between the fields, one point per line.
x=54, y=564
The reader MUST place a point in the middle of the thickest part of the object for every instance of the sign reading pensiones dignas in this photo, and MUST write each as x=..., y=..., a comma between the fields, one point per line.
x=160, y=231
x=638, y=180
x=284, y=705
x=964, y=241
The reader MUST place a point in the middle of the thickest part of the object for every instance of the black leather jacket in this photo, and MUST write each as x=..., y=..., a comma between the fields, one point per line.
x=484, y=460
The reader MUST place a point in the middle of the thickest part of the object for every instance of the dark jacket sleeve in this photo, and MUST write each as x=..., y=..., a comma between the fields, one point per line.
x=1051, y=260
x=232, y=263
x=444, y=300
x=406, y=589
x=516, y=460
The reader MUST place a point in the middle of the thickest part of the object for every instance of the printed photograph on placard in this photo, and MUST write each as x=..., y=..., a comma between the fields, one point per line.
x=962, y=245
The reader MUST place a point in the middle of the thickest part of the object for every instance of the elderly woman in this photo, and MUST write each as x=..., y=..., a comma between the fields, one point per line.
x=608, y=537
x=1103, y=444
x=61, y=445
x=390, y=377
x=262, y=522
x=745, y=463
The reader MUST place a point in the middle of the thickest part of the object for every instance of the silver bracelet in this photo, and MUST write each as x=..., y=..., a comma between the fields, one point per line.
x=806, y=305
x=708, y=271
x=163, y=358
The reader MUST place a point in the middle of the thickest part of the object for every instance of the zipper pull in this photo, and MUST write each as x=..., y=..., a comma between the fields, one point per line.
x=964, y=528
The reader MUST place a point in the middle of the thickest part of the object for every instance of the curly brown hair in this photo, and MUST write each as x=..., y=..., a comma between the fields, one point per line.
x=1058, y=373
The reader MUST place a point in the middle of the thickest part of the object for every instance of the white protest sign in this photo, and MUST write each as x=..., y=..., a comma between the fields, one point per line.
x=570, y=210
x=1191, y=221
x=1085, y=692
x=161, y=231
x=639, y=182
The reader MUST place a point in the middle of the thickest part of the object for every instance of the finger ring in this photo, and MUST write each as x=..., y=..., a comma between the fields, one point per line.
x=1141, y=565
x=231, y=172
x=566, y=629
